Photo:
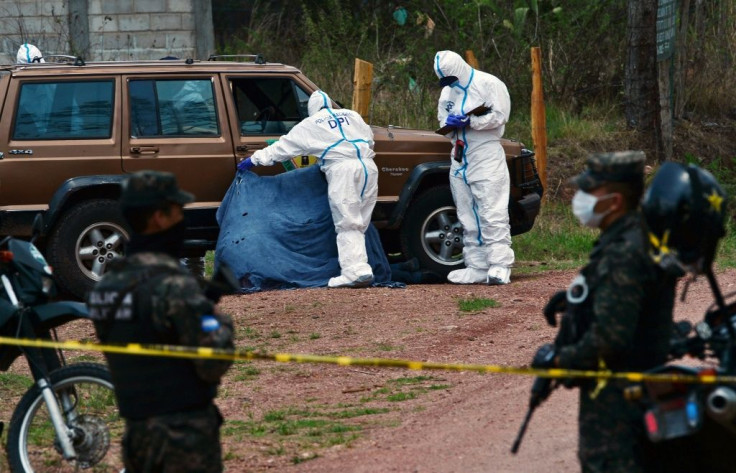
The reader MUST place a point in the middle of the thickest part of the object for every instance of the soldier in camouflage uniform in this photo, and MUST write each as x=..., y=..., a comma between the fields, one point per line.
x=617, y=314
x=172, y=423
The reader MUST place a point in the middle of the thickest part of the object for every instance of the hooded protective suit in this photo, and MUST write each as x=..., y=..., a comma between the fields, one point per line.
x=479, y=176
x=343, y=143
x=28, y=53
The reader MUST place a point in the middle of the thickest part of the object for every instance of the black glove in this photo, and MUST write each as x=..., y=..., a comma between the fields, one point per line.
x=556, y=303
x=545, y=356
x=223, y=283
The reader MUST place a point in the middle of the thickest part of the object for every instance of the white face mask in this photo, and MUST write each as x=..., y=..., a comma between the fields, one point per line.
x=583, y=205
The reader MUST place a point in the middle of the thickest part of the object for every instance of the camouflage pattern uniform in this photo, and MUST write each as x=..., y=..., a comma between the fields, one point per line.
x=172, y=423
x=626, y=303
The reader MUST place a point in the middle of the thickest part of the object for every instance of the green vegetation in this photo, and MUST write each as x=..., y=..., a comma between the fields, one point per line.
x=476, y=304
x=84, y=357
x=300, y=432
x=387, y=347
x=582, y=85
x=325, y=37
x=557, y=241
x=209, y=263
x=13, y=383
x=726, y=256
x=405, y=388
x=248, y=332
x=244, y=371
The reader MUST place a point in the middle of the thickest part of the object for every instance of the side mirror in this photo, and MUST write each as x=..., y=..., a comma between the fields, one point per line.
x=36, y=227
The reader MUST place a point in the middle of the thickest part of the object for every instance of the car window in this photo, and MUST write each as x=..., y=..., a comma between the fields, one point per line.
x=268, y=106
x=64, y=110
x=172, y=108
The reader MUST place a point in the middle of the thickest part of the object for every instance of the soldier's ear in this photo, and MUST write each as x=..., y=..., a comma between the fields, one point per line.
x=619, y=202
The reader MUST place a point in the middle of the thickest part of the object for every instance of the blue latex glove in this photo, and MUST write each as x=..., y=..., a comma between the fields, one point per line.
x=245, y=165
x=457, y=121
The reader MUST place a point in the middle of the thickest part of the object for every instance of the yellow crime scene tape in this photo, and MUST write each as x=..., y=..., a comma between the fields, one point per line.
x=177, y=351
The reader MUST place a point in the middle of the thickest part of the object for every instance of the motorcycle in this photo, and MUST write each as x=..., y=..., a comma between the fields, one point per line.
x=68, y=419
x=692, y=426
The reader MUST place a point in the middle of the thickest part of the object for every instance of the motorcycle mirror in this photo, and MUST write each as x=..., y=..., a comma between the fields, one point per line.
x=36, y=227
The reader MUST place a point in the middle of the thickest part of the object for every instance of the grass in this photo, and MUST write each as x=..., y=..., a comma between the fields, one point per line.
x=726, y=255
x=388, y=347
x=85, y=357
x=300, y=433
x=11, y=382
x=589, y=126
x=476, y=304
x=557, y=241
x=405, y=389
x=245, y=371
x=248, y=332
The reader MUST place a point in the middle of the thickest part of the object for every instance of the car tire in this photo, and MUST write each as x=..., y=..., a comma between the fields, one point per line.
x=86, y=238
x=431, y=232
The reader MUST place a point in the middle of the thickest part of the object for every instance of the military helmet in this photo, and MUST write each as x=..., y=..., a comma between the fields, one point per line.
x=684, y=209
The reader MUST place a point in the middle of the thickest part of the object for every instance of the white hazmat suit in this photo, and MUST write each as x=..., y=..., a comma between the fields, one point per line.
x=343, y=143
x=479, y=176
x=28, y=53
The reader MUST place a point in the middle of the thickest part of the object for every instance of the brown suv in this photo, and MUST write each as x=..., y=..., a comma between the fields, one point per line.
x=70, y=131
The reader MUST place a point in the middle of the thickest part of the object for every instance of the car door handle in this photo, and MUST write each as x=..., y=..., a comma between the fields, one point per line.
x=144, y=150
x=241, y=148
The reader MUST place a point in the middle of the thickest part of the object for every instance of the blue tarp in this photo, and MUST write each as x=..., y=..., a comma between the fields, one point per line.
x=276, y=232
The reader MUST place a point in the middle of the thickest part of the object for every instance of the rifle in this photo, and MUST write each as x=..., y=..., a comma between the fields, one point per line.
x=541, y=390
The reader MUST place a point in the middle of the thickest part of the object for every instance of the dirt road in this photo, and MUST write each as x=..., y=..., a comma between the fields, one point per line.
x=309, y=418
x=404, y=421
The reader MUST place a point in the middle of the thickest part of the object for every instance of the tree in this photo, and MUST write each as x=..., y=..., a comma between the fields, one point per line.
x=641, y=90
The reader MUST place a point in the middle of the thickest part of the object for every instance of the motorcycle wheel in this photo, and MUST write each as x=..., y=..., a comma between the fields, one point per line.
x=87, y=402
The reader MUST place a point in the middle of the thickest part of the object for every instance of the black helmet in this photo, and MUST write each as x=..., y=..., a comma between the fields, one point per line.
x=684, y=210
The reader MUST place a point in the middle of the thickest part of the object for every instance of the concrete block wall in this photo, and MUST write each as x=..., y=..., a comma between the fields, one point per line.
x=32, y=21
x=107, y=30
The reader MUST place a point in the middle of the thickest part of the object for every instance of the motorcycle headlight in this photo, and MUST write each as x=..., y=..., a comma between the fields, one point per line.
x=47, y=285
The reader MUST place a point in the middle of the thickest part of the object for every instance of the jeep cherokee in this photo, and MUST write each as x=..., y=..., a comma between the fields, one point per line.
x=70, y=131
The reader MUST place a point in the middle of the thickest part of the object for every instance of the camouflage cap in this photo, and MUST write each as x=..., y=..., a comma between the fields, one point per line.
x=619, y=166
x=148, y=188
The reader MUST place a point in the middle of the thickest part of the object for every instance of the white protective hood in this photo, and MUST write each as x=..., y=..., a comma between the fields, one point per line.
x=317, y=101
x=449, y=63
x=28, y=53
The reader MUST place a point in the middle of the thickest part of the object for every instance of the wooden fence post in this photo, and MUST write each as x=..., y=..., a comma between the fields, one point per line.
x=362, y=87
x=539, y=120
